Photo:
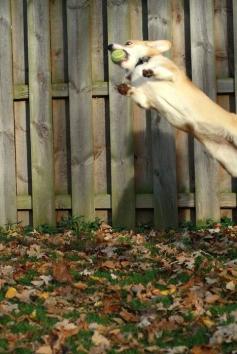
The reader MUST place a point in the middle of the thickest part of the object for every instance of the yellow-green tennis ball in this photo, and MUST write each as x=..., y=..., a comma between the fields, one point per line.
x=118, y=55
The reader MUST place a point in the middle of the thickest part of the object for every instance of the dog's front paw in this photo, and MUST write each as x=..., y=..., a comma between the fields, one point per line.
x=148, y=73
x=123, y=89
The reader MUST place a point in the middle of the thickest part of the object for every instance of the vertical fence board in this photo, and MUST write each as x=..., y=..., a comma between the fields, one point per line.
x=183, y=166
x=141, y=128
x=100, y=126
x=21, y=107
x=60, y=117
x=203, y=74
x=8, y=210
x=80, y=107
x=221, y=8
x=122, y=170
x=163, y=142
x=40, y=112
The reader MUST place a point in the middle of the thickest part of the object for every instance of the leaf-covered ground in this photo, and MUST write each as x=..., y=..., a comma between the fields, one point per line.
x=118, y=292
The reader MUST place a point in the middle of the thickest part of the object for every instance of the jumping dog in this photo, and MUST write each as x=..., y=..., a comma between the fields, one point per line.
x=154, y=81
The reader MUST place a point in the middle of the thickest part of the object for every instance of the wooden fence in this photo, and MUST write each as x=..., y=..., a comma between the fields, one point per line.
x=69, y=142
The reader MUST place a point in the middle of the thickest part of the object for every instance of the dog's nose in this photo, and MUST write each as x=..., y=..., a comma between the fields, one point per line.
x=110, y=47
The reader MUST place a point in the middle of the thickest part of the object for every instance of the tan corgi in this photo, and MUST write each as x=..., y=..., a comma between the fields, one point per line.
x=154, y=81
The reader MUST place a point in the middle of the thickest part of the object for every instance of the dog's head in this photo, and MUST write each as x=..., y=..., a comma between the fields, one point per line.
x=136, y=50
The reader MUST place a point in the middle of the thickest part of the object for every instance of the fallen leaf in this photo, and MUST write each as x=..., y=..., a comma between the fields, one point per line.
x=224, y=334
x=44, y=295
x=211, y=298
x=203, y=349
x=61, y=273
x=80, y=285
x=208, y=322
x=230, y=285
x=35, y=251
x=33, y=315
x=11, y=293
x=66, y=328
x=109, y=264
x=45, y=349
x=128, y=316
x=98, y=339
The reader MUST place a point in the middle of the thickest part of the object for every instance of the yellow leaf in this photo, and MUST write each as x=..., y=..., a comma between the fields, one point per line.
x=208, y=322
x=33, y=314
x=11, y=292
x=165, y=292
x=170, y=291
x=44, y=295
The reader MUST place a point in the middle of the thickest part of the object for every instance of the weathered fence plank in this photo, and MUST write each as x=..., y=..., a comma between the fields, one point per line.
x=203, y=74
x=80, y=107
x=40, y=112
x=141, y=126
x=100, y=112
x=121, y=136
x=163, y=142
x=184, y=168
x=221, y=34
x=8, y=211
x=60, y=115
x=22, y=141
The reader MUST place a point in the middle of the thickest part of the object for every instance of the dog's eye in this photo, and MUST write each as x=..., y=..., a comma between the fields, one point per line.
x=128, y=43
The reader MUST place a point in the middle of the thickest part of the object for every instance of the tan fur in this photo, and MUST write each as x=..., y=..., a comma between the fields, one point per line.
x=185, y=106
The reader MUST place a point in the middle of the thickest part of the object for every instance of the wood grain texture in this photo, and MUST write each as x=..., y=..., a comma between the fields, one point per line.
x=183, y=151
x=80, y=107
x=221, y=11
x=121, y=136
x=163, y=142
x=40, y=112
x=21, y=108
x=203, y=74
x=8, y=209
x=61, y=141
x=100, y=112
x=141, y=127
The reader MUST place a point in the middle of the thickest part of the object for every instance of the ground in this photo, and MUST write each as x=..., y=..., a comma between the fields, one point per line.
x=92, y=289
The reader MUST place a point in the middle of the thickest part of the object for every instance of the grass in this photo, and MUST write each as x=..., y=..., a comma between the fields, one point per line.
x=151, y=293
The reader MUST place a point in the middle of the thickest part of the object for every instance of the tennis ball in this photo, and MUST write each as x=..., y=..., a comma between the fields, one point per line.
x=118, y=55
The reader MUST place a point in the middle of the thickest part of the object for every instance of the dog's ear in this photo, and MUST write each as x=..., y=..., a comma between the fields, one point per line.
x=161, y=45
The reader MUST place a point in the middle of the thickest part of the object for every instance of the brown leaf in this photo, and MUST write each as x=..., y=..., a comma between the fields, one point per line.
x=110, y=264
x=44, y=349
x=111, y=304
x=203, y=349
x=210, y=299
x=80, y=285
x=61, y=273
x=128, y=316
